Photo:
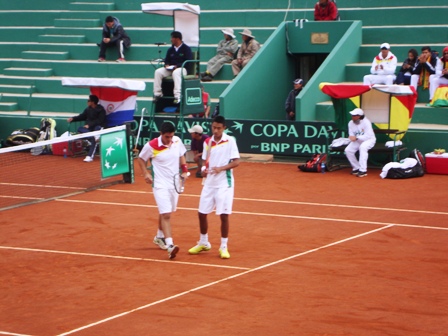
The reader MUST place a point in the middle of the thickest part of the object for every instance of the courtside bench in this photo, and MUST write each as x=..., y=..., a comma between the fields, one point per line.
x=393, y=153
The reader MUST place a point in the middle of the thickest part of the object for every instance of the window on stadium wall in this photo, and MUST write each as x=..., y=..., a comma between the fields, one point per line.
x=291, y=138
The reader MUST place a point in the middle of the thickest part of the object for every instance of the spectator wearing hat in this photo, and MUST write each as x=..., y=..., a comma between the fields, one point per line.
x=113, y=36
x=325, y=10
x=383, y=67
x=423, y=69
x=249, y=48
x=362, y=139
x=441, y=75
x=224, y=54
x=197, y=145
x=290, y=104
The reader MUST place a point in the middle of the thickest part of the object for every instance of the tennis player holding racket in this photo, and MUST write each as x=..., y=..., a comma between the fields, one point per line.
x=220, y=156
x=166, y=153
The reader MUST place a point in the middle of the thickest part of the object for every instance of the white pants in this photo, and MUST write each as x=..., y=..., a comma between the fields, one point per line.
x=434, y=82
x=379, y=79
x=161, y=73
x=363, y=147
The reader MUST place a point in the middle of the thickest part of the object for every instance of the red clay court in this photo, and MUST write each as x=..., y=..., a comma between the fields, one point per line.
x=311, y=254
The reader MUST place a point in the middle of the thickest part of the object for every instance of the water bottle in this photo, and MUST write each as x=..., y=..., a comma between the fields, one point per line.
x=64, y=151
x=323, y=167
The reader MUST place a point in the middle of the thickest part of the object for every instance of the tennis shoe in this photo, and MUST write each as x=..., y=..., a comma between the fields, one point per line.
x=172, y=251
x=361, y=174
x=160, y=242
x=121, y=60
x=199, y=248
x=224, y=253
x=88, y=159
x=101, y=59
x=355, y=172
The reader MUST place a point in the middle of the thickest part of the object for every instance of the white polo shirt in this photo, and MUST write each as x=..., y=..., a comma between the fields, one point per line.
x=164, y=160
x=221, y=154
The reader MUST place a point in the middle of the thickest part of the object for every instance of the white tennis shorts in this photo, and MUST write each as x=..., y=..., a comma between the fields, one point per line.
x=221, y=198
x=166, y=199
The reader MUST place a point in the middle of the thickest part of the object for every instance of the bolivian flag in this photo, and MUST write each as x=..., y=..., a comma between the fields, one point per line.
x=386, y=106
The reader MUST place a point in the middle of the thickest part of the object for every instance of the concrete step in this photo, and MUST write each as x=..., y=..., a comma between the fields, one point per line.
x=61, y=38
x=91, y=6
x=25, y=89
x=404, y=34
x=45, y=55
x=8, y=106
x=36, y=72
x=67, y=22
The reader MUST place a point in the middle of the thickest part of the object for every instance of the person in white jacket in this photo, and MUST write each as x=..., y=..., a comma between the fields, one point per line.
x=362, y=138
x=383, y=67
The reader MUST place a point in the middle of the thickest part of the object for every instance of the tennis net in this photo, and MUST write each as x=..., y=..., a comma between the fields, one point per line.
x=51, y=169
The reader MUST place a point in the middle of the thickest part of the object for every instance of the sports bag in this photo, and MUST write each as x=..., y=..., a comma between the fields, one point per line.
x=402, y=173
x=313, y=164
x=23, y=136
x=416, y=154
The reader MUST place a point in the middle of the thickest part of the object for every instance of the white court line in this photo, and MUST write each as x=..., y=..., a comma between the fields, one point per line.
x=267, y=215
x=12, y=334
x=119, y=257
x=222, y=280
x=299, y=203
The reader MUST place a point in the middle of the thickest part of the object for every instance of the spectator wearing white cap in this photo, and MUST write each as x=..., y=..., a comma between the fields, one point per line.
x=290, y=103
x=197, y=146
x=225, y=53
x=383, y=67
x=362, y=139
x=248, y=49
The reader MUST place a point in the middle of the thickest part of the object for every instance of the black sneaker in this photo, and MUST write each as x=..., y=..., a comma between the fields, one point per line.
x=361, y=174
x=355, y=172
x=207, y=78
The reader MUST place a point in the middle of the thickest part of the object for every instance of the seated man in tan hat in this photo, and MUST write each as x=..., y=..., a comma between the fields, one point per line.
x=224, y=54
x=249, y=48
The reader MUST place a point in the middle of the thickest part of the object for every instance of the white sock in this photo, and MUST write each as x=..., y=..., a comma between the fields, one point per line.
x=224, y=242
x=203, y=239
x=169, y=241
x=160, y=234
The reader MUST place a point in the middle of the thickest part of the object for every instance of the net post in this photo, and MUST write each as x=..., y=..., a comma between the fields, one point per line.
x=129, y=177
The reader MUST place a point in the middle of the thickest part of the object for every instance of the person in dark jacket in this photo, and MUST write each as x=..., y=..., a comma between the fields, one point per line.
x=290, y=104
x=176, y=55
x=405, y=73
x=113, y=36
x=424, y=67
x=95, y=119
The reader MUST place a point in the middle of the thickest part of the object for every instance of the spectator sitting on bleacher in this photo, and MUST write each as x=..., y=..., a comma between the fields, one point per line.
x=441, y=75
x=113, y=36
x=95, y=119
x=176, y=55
x=404, y=75
x=248, y=49
x=362, y=138
x=325, y=10
x=224, y=54
x=423, y=69
x=383, y=67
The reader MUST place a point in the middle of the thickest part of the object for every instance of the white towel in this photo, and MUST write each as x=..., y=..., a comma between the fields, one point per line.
x=390, y=144
x=340, y=142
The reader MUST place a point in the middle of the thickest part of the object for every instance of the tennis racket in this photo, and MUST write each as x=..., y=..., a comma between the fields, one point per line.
x=179, y=183
x=135, y=150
